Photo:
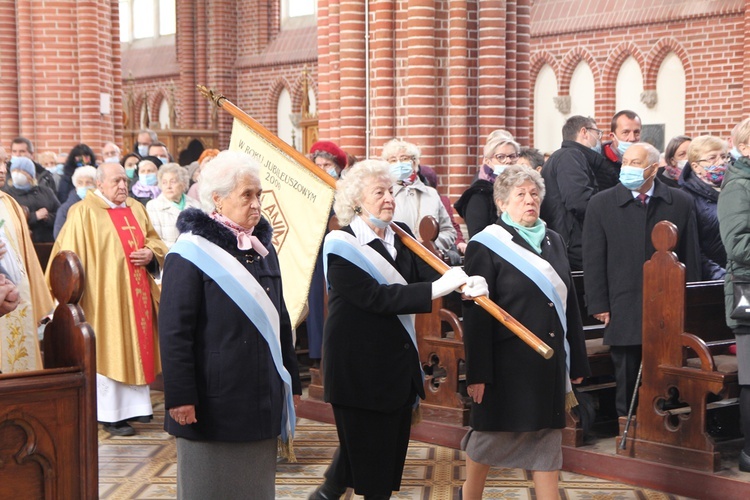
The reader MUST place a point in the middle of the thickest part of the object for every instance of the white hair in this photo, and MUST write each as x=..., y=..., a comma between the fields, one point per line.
x=349, y=187
x=652, y=154
x=396, y=146
x=179, y=171
x=221, y=175
x=85, y=171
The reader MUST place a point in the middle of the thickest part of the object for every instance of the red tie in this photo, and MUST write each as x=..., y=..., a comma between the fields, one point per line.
x=643, y=198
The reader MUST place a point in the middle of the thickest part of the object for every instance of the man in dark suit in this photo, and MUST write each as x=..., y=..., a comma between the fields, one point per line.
x=617, y=242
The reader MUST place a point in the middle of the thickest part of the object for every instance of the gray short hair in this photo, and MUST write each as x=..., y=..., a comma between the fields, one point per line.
x=513, y=176
x=222, y=174
x=394, y=146
x=85, y=171
x=349, y=187
x=652, y=154
x=179, y=171
x=497, y=139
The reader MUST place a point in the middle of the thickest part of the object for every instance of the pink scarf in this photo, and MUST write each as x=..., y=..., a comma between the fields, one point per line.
x=245, y=238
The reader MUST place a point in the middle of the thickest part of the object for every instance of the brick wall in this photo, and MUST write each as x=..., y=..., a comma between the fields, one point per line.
x=708, y=37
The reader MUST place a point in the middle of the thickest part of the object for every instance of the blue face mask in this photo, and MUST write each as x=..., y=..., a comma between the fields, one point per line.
x=380, y=224
x=148, y=179
x=81, y=191
x=401, y=170
x=632, y=177
x=143, y=151
x=622, y=146
x=498, y=169
x=598, y=147
x=332, y=172
x=735, y=153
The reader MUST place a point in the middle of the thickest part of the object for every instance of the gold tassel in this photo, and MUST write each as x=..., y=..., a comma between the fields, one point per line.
x=416, y=415
x=286, y=450
x=570, y=401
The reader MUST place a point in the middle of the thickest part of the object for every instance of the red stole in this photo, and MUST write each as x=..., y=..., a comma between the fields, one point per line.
x=131, y=238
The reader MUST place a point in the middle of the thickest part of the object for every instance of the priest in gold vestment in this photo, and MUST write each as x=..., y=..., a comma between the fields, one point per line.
x=118, y=246
x=19, y=343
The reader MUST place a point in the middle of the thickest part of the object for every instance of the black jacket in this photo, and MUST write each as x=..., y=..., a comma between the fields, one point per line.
x=35, y=198
x=616, y=244
x=570, y=183
x=369, y=360
x=523, y=391
x=212, y=355
x=705, y=197
x=477, y=206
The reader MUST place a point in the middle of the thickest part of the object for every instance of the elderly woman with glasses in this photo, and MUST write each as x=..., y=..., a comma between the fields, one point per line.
x=520, y=398
x=701, y=178
x=476, y=205
x=166, y=208
x=414, y=200
x=372, y=374
x=226, y=341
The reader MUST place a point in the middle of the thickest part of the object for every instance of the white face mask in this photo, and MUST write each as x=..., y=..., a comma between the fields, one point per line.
x=19, y=179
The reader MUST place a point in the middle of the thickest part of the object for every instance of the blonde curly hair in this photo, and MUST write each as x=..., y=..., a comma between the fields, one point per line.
x=353, y=180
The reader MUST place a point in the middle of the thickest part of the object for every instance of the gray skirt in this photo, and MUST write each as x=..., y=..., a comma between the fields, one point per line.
x=538, y=450
x=212, y=469
x=743, y=358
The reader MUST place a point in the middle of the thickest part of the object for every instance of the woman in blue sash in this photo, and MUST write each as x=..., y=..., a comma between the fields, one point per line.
x=519, y=398
x=371, y=370
x=226, y=341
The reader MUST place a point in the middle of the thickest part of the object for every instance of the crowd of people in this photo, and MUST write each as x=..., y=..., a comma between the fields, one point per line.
x=182, y=279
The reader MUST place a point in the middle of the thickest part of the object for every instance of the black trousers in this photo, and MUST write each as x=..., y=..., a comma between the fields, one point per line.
x=627, y=361
x=372, y=449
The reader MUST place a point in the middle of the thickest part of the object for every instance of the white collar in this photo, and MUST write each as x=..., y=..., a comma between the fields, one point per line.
x=365, y=235
x=648, y=193
x=106, y=200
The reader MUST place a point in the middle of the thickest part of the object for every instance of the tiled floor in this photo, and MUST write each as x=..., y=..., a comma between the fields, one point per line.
x=143, y=467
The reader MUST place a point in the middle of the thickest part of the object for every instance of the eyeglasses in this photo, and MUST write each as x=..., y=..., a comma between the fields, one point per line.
x=596, y=131
x=511, y=157
x=402, y=159
x=712, y=159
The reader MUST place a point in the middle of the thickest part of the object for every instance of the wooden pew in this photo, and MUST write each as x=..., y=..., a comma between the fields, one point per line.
x=686, y=368
x=48, y=428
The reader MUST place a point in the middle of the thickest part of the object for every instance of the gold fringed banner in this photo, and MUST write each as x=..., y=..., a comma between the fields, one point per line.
x=297, y=203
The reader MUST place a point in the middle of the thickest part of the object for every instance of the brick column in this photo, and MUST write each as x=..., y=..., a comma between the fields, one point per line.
x=421, y=77
x=460, y=164
x=9, y=107
x=221, y=56
x=185, y=46
x=491, y=61
x=523, y=71
x=383, y=71
x=352, y=77
x=89, y=72
x=200, y=38
x=324, y=70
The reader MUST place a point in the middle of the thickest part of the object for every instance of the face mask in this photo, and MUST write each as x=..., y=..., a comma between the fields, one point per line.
x=380, y=224
x=598, y=147
x=112, y=159
x=735, y=153
x=622, y=146
x=401, y=170
x=20, y=180
x=715, y=174
x=57, y=169
x=681, y=164
x=148, y=179
x=632, y=177
x=498, y=169
x=130, y=172
x=142, y=150
x=81, y=191
x=333, y=173
x=163, y=159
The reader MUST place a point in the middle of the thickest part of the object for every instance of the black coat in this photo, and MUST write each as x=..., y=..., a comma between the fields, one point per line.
x=35, y=198
x=369, y=360
x=616, y=244
x=477, y=206
x=713, y=255
x=212, y=355
x=570, y=183
x=523, y=391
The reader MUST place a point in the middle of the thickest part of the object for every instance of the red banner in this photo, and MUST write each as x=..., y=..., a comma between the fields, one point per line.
x=131, y=238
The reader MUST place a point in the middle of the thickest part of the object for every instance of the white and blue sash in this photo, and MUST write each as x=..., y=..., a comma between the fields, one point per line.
x=251, y=298
x=370, y=261
x=538, y=270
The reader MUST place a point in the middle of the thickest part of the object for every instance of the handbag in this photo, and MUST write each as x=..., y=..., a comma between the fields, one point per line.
x=741, y=303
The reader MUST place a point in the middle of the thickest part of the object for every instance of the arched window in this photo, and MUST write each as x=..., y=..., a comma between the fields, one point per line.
x=548, y=121
x=287, y=122
x=141, y=19
x=582, y=91
x=164, y=115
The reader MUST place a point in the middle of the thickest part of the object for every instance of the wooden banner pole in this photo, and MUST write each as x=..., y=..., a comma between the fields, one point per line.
x=431, y=259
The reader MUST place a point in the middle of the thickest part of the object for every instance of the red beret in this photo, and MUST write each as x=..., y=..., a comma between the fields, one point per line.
x=332, y=149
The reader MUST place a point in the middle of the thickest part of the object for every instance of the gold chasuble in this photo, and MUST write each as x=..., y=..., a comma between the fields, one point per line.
x=19, y=343
x=120, y=300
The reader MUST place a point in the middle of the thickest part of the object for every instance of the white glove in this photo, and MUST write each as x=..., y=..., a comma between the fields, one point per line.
x=475, y=287
x=453, y=279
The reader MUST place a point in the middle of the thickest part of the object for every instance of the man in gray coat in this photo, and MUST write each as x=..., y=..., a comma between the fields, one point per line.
x=616, y=244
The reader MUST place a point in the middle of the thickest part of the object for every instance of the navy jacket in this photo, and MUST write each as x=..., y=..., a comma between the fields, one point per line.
x=212, y=355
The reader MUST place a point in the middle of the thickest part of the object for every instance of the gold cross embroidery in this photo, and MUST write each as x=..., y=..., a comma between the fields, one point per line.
x=133, y=242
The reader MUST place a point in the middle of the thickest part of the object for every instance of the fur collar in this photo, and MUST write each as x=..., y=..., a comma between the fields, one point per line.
x=200, y=223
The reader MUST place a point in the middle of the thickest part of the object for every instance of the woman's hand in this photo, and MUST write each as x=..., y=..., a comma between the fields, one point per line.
x=183, y=415
x=476, y=392
x=576, y=381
